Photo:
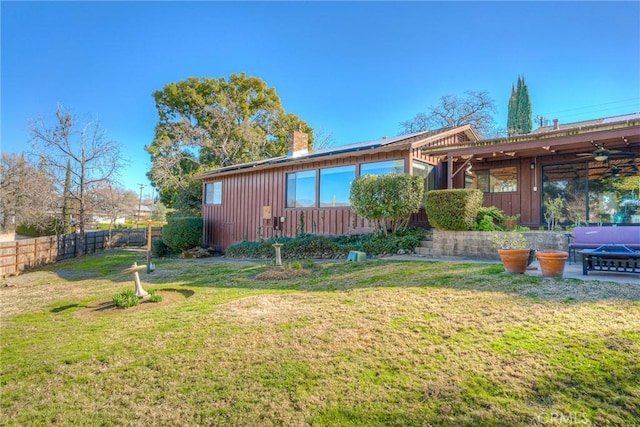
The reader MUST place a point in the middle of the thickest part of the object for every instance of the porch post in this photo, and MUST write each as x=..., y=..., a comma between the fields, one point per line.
x=449, y=171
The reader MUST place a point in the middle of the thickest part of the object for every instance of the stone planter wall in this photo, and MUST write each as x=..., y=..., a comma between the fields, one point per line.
x=477, y=244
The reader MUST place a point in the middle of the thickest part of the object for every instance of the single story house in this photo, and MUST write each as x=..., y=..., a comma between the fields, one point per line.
x=587, y=165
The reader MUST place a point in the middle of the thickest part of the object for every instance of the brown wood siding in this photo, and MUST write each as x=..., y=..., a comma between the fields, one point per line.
x=239, y=217
x=526, y=200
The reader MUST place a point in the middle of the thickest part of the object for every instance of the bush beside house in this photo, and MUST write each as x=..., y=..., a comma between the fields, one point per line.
x=313, y=246
x=454, y=210
x=182, y=233
x=388, y=201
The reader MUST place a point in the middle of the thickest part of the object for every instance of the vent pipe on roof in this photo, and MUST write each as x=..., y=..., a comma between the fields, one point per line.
x=298, y=144
x=556, y=125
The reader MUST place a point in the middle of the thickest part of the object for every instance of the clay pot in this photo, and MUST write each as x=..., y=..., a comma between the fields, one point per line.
x=514, y=260
x=552, y=262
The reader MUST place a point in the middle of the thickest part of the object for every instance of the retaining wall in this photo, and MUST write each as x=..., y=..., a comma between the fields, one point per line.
x=477, y=244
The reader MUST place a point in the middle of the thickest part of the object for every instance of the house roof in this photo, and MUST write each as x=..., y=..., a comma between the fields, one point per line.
x=619, y=132
x=408, y=141
x=584, y=123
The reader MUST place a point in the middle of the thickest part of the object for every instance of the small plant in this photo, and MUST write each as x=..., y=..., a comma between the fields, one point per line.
x=509, y=240
x=486, y=224
x=295, y=265
x=126, y=299
x=154, y=296
x=552, y=211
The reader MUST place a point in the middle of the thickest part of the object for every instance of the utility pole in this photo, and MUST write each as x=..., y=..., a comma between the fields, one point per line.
x=139, y=205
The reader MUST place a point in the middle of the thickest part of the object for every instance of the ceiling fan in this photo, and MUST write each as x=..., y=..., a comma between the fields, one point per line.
x=601, y=153
x=621, y=170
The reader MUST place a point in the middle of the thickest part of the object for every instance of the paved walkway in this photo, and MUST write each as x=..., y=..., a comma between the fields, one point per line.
x=571, y=271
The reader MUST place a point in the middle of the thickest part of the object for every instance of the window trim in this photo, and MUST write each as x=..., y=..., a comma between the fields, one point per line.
x=319, y=201
x=489, y=174
x=315, y=187
x=213, y=185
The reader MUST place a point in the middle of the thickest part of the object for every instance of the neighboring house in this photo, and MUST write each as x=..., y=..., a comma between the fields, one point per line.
x=309, y=192
x=143, y=213
x=100, y=219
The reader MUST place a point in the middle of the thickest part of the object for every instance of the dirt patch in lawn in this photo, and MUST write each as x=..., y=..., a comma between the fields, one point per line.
x=282, y=273
x=169, y=296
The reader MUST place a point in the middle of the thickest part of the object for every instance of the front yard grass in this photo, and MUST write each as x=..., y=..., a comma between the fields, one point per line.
x=364, y=344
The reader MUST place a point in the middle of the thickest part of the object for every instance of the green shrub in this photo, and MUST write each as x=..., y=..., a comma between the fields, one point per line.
x=182, y=233
x=308, y=246
x=154, y=296
x=51, y=227
x=387, y=200
x=126, y=299
x=487, y=223
x=160, y=250
x=453, y=209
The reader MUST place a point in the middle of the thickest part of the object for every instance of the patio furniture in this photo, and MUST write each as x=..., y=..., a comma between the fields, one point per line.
x=613, y=258
x=593, y=237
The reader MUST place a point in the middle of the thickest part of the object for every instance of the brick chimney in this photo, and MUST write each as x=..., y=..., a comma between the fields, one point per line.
x=298, y=144
x=556, y=125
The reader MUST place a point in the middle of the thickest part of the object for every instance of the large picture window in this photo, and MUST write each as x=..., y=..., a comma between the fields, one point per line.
x=498, y=180
x=335, y=186
x=593, y=192
x=213, y=193
x=382, y=168
x=301, y=189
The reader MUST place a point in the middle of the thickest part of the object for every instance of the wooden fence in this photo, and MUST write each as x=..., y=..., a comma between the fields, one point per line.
x=20, y=255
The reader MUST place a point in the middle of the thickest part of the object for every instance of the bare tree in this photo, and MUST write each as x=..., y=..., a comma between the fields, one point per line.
x=112, y=202
x=475, y=109
x=93, y=158
x=322, y=139
x=27, y=194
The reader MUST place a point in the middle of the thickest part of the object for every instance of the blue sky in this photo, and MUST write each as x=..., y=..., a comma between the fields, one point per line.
x=353, y=69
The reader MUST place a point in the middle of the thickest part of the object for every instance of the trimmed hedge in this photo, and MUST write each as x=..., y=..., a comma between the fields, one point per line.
x=307, y=246
x=453, y=210
x=387, y=200
x=182, y=233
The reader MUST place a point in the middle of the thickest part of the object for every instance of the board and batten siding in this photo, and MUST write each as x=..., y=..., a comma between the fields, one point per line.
x=244, y=194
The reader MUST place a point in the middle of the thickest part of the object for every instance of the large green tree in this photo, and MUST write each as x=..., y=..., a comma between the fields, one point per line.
x=207, y=123
x=520, y=114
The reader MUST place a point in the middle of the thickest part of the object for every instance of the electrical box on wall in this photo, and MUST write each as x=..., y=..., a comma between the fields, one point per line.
x=266, y=212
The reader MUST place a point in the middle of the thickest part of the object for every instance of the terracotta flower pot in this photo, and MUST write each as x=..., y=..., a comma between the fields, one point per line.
x=552, y=262
x=514, y=260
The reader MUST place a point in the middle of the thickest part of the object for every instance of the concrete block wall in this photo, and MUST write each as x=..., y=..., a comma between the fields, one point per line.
x=477, y=244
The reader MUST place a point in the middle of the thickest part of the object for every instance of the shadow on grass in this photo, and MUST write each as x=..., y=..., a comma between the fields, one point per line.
x=106, y=265
x=66, y=307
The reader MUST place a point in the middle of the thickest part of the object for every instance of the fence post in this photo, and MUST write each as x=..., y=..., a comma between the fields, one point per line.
x=17, y=257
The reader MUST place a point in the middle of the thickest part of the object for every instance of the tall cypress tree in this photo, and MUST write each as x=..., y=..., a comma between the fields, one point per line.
x=520, y=115
x=511, y=119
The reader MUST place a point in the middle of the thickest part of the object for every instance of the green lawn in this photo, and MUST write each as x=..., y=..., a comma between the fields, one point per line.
x=363, y=344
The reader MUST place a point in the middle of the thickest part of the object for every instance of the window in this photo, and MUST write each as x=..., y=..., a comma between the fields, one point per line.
x=213, y=193
x=428, y=172
x=335, y=186
x=499, y=180
x=593, y=192
x=382, y=168
x=301, y=189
